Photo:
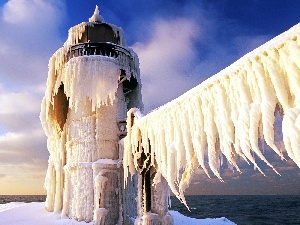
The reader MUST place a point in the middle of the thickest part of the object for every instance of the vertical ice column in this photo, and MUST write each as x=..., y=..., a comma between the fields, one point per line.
x=106, y=174
x=80, y=148
x=54, y=177
x=81, y=192
x=158, y=213
x=159, y=201
x=128, y=200
x=50, y=185
x=92, y=155
x=106, y=132
x=107, y=192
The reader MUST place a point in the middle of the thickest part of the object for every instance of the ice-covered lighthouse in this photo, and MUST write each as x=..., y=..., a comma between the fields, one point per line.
x=92, y=82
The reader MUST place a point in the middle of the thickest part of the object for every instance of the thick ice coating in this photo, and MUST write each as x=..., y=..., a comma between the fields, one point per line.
x=75, y=141
x=224, y=116
x=88, y=92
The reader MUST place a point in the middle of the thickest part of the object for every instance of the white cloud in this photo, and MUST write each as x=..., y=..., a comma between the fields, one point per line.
x=23, y=147
x=180, y=53
x=19, y=111
x=29, y=36
x=23, y=162
x=166, y=61
x=12, y=103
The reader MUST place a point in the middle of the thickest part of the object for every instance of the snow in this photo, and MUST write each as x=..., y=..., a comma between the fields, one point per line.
x=32, y=214
x=96, y=16
x=180, y=219
x=35, y=214
x=223, y=117
x=4, y=207
x=107, y=161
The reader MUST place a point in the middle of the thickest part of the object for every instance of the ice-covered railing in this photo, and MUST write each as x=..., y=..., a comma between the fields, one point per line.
x=61, y=56
x=225, y=115
x=92, y=77
x=71, y=63
x=123, y=55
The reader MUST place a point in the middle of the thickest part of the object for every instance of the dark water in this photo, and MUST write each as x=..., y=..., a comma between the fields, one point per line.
x=21, y=198
x=243, y=210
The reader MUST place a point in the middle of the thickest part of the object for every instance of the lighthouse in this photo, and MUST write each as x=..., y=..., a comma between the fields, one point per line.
x=92, y=82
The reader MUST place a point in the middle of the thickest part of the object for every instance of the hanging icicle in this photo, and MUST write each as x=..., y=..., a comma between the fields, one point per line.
x=225, y=114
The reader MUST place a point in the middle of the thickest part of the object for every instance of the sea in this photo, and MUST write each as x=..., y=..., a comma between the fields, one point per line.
x=243, y=209
x=240, y=209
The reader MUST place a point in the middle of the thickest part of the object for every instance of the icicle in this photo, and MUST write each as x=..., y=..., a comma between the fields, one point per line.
x=226, y=115
x=103, y=77
x=291, y=134
x=275, y=73
x=199, y=136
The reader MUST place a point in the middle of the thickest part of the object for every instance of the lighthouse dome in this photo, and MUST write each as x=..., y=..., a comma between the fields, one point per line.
x=96, y=31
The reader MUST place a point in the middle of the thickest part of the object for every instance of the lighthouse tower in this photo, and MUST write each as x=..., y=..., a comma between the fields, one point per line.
x=92, y=82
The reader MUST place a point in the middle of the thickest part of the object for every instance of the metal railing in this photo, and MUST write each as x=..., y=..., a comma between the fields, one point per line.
x=98, y=48
x=123, y=55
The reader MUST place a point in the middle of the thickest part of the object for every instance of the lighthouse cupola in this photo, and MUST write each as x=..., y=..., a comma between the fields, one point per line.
x=96, y=30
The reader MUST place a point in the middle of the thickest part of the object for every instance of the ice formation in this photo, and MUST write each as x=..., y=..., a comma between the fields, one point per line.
x=96, y=16
x=92, y=81
x=225, y=115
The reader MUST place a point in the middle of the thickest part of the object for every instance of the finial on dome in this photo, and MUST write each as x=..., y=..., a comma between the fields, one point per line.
x=96, y=16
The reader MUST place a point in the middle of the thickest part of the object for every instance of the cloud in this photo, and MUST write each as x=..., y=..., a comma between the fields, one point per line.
x=24, y=178
x=166, y=61
x=179, y=50
x=19, y=111
x=23, y=147
x=12, y=103
x=23, y=162
x=29, y=36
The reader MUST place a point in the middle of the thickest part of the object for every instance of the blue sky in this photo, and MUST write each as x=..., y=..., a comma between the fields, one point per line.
x=180, y=43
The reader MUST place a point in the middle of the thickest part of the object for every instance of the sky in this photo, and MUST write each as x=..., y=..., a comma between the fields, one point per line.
x=180, y=43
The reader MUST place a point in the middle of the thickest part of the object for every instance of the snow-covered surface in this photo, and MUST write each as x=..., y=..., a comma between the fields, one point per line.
x=180, y=219
x=35, y=214
x=31, y=214
x=226, y=115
